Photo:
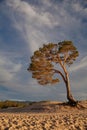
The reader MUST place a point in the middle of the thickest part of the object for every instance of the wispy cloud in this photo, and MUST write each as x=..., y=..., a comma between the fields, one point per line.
x=31, y=22
x=37, y=23
x=80, y=65
x=8, y=69
x=34, y=23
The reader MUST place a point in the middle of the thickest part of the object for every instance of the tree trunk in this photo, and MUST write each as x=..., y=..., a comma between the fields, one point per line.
x=70, y=98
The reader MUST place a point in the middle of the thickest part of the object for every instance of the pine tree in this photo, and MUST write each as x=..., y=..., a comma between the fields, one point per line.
x=46, y=61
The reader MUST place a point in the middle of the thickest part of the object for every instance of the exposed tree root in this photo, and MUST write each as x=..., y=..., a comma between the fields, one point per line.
x=80, y=106
x=77, y=104
x=72, y=103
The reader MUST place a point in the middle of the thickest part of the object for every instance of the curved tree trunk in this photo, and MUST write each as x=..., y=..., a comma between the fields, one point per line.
x=65, y=78
x=70, y=98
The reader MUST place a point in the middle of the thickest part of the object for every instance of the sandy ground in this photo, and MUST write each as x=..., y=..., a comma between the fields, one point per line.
x=64, y=118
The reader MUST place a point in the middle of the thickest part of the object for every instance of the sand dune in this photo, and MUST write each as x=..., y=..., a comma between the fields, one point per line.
x=45, y=116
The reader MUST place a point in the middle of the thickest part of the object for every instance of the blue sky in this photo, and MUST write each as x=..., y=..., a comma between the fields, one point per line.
x=25, y=25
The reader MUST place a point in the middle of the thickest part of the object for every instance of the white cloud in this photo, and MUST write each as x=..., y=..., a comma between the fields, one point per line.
x=37, y=26
x=30, y=14
x=77, y=7
x=31, y=22
x=8, y=69
x=80, y=11
x=80, y=65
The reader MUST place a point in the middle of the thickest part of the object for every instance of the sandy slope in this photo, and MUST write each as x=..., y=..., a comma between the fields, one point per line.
x=45, y=116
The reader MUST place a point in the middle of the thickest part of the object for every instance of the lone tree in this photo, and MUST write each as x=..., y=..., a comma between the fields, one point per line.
x=53, y=59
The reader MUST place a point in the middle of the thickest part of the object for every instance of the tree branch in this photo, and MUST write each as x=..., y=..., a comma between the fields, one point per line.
x=57, y=71
x=61, y=64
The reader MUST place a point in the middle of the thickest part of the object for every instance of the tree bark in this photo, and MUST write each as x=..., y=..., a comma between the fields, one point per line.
x=65, y=78
x=70, y=98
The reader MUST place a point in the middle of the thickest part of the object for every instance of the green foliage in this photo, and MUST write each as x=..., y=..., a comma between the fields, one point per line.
x=43, y=61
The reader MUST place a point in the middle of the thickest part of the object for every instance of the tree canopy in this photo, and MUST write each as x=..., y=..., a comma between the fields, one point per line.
x=44, y=60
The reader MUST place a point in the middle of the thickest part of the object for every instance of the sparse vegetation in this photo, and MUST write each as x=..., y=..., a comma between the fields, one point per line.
x=6, y=104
